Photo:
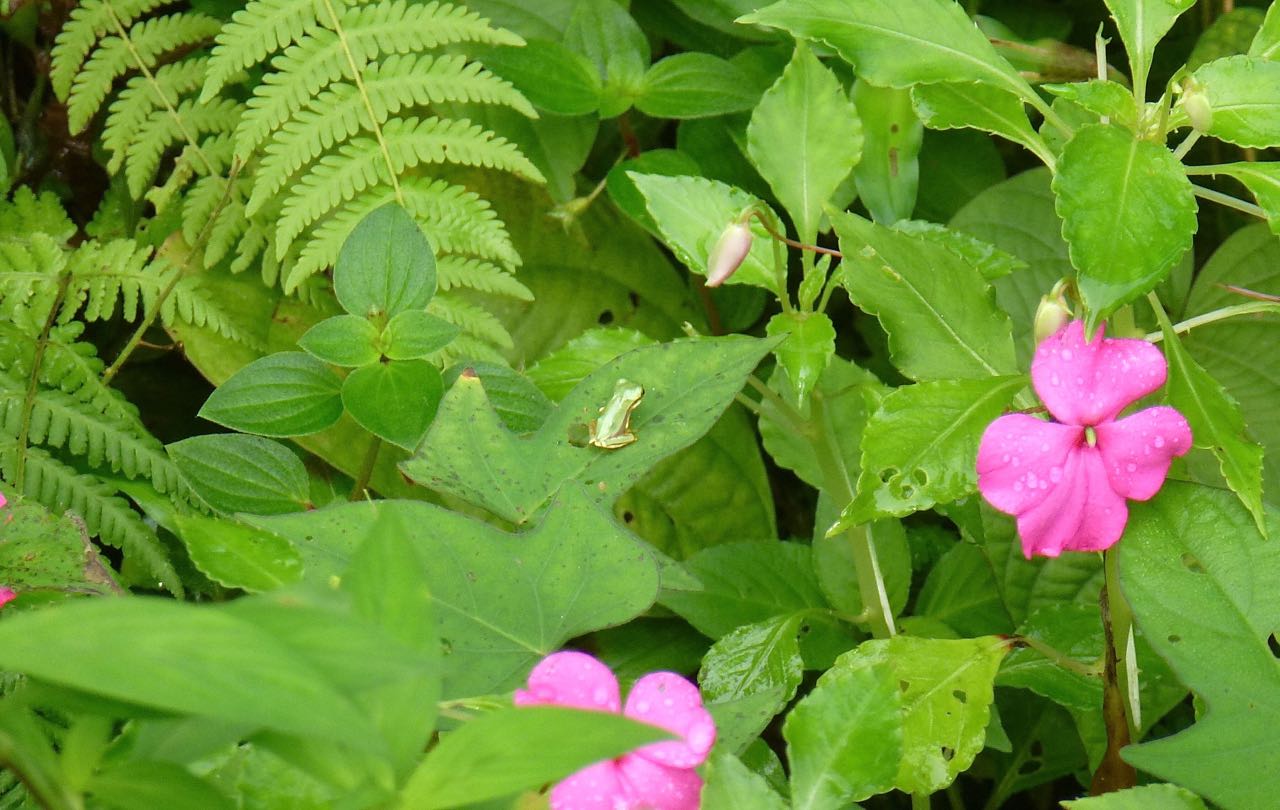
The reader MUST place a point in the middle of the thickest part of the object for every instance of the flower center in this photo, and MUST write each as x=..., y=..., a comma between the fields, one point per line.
x=1090, y=437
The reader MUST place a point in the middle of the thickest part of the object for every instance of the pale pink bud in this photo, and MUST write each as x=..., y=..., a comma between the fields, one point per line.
x=7, y=595
x=729, y=253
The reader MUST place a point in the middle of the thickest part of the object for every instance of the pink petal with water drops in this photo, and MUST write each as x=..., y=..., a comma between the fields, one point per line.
x=1021, y=458
x=1138, y=449
x=658, y=787
x=597, y=787
x=7, y=595
x=571, y=679
x=668, y=701
x=1081, y=513
x=1089, y=383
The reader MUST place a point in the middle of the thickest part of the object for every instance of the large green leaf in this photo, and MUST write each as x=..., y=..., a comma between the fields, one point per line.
x=142, y=785
x=961, y=593
x=1201, y=582
x=553, y=77
x=692, y=212
x=234, y=472
x=1128, y=213
x=898, y=43
x=733, y=786
x=236, y=555
x=511, y=750
x=386, y=266
x=939, y=311
x=181, y=658
x=694, y=85
x=954, y=105
x=844, y=740
x=283, y=394
x=1263, y=182
x=919, y=447
x=805, y=137
x=946, y=693
x=1142, y=24
x=888, y=175
x=688, y=384
x=502, y=601
x=1146, y=797
x=395, y=400
x=41, y=551
x=1240, y=91
x=755, y=658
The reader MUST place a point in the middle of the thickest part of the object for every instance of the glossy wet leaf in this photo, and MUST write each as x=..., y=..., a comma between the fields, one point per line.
x=731, y=785
x=283, y=394
x=235, y=472
x=236, y=555
x=1194, y=567
x=937, y=308
x=761, y=657
x=1109, y=182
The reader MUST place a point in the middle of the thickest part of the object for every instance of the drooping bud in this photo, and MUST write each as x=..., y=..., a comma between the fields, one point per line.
x=7, y=595
x=729, y=253
x=1052, y=314
x=1195, y=103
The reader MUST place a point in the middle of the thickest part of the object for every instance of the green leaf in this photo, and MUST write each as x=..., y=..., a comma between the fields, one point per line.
x=1073, y=629
x=181, y=658
x=692, y=212
x=283, y=394
x=992, y=262
x=482, y=760
x=1216, y=422
x=502, y=601
x=1241, y=97
x=808, y=348
x=1146, y=797
x=234, y=472
x=688, y=384
x=733, y=786
x=888, y=174
x=844, y=740
x=143, y=785
x=395, y=401
x=602, y=30
x=898, y=43
x=1127, y=211
x=837, y=568
x=919, y=447
x=1266, y=43
x=343, y=340
x=961, y=592
x=1101, y=97
x=946, y=692
x=956, y=105
x=514, y=396
x=1230, y=33
x=694, y=85
x=1192, y=566
x=955, y=167
x=805, y=137
x=937, y=308
x=553, y=77
x=1142, y=24
x=236, y=555
x=386, y=266
x=40, y=551
x=1263, y=182
x=622, y=188
x=755, y=658
x=413, y=334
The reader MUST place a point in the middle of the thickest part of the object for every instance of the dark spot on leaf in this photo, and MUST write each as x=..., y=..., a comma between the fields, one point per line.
x=469, y=373
x=605, y=318
x=805, y=628
x=446, y=646
x=893, y=129
x=1029, y=767
x=1191, y=563
x=948, y=753
x=1274, y=644
x=904, y=685
x=1036, y=748
x=627, y=517
x=635, y=299
x=959, y=694
x=1174, y=638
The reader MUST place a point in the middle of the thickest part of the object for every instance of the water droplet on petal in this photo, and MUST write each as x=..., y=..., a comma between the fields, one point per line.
x=1055, y=380
x=1159, y=441
x=1131, y=467
x=1015, y=461
x=1017, y=485
x=1066, y=354
x=1055, y=474
x=1044, y=447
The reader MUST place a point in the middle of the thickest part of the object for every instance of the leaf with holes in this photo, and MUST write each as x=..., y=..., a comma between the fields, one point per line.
x=919, y=447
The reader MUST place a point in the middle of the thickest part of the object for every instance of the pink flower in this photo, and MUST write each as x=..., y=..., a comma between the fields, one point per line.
x=660, y=776
x=1067, y=480
x=7, y=595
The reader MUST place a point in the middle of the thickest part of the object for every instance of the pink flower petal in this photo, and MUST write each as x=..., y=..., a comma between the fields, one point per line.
x=596, y=787
x=666, y=700
x=1021, y=458
x=1089, y=383
x=7, y=595
x=571, y=679
x=658, y=787
x=1137, y=450
x=1081, y=513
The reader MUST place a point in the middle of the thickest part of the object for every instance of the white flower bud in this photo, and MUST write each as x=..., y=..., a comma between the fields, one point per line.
x=1051, y=316
x=1196, y=105
x=729, y=253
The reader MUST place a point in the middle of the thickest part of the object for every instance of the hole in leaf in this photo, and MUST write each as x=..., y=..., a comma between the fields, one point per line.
x=904, y=685
x=1036, y=748
x=921, y=477
x=960, y=695
x=627, y=517
x=605, y=318
x=1274, y=644
x=948, y=753
x=1191, y=563
x=1029, y=767
x=906, y=491
x=888, y=474
x=804, y=628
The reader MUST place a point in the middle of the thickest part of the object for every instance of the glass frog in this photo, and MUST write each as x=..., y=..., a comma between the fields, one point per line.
x=612, y=430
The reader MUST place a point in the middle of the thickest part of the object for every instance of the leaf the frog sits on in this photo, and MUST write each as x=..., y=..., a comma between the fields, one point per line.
x=612, y=430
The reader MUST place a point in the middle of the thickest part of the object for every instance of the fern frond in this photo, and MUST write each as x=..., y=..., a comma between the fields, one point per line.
x=463, y=272
x=192, y=302
x=142, y=97
x=58, y=420
x=469, y=348
x=209, y=158
x=340, y=112
x=252, y=245
x=471, y=319
x=454, y=219
x=162, y=130
x=60, y=487
x=31, y=269
x=116, y=56
x=89, y=22
x=360, y=163
x=29, y=213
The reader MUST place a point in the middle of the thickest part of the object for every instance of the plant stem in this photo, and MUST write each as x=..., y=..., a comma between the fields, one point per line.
x=366, y=470
x=1227, y=200
x=764, y=223
x=1060, y=658
x=33, y=383
x=1187, y=143
x=1182, y=327
x=1113, y=772
x=921, y=801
